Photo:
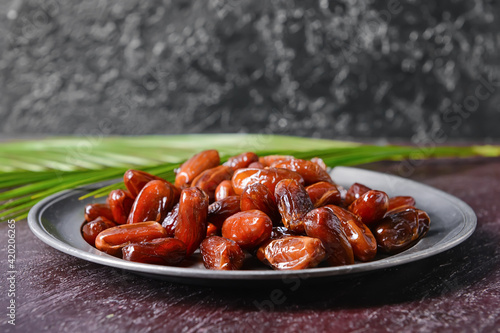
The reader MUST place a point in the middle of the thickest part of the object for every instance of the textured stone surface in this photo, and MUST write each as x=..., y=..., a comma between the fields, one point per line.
x=334, y=69
x=456, y=291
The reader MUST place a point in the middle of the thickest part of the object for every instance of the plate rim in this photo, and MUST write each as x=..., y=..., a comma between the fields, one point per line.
x=36, y=225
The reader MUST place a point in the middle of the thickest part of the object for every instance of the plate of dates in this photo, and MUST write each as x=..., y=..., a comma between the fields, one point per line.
x=251, y=220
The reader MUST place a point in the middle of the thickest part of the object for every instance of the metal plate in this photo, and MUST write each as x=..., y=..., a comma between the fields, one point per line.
x=57, y=220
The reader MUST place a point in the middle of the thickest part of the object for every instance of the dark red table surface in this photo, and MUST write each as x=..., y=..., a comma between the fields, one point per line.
x=456, y=291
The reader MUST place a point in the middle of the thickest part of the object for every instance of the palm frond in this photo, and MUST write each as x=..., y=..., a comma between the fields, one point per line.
x=32, y=170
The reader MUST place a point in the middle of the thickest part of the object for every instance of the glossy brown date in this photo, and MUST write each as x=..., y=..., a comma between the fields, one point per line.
x=269, y=160
x=354, y=192
x=212, y=230
x=93, y=211
x=293, y=204
x=242, y=160
x=324, y=193
x=194, y=166
x=363, y=243
x=154, y=202
x=209, y=179
x=160, y=251
x=397, y=232
x=256, y=165
x=424, y=223
x=91, y=229
x=135, y=180
x=112, y=240
x=220, y=210
x=370, y=207
x=268, y=177
x=323, y=224
x=224, y=190
x=120, y=203
x=192, y=221
x=292, y=253
x=310, y=171
x=258, y=196
x=220, y=253
x=319, y=162
x=249, y=228
x=400, y=201
x=170, y=221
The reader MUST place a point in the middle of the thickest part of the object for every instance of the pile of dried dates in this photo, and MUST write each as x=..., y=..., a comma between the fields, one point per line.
x=285, y=211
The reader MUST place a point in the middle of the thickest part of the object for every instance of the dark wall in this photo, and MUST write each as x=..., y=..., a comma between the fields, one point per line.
x=334, y=69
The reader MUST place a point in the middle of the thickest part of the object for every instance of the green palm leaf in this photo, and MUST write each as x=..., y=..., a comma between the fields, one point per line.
x=32, y=170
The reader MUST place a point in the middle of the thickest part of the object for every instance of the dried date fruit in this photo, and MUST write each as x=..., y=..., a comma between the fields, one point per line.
x=323, y=193
x=258, y=196
x=120, y=203
x=160, y=251
x=424, y=223
x=397, y=231
x=209, y=179
x=400, y=201
x=319, y=162
x=370, y=207
x=220, y=210
x=195, y=165
x=224, y=190
x=170, y=221
x=280, y=232
x=220, y=253
x=256, y=165
x=363, y=243
x=154, y=202
x=310, y=171
x=293, y=204
x=242, y=160
x=91, y=229
x=292, y=253
x=93, y=211
x=249, y=228
x=113, y=239
x=323, y=224
x=192, y=221
x=269, y=160
x=268, y=177
x=135, y=180
x=354, y=192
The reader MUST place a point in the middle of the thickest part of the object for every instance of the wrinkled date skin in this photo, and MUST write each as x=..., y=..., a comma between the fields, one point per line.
x=194, y=166
x=242, y=160
x=370, y=207
x=268, y=177
x=93, y=211
x=354, y=192
x=323, y=193
x=310, y=171
x=154, y=202
x=363, y=243
x=258, y=196
x=170, y=221
x=220, y=253
x=113, y=239
x=280, y=232
x=91, y=229
x=293, y=204
x=220, y=210
x=397, y=232
x=120, y=203
x=224, y=190
x=249, y=228
x=160, y=251
x=135, y=180
x=209, y=179
x=323, y=224
x=192, y=221
x=400, y=201
x=424, y=223
x=292, y=253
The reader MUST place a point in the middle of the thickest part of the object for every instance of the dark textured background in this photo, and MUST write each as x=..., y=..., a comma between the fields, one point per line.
x=334, y=69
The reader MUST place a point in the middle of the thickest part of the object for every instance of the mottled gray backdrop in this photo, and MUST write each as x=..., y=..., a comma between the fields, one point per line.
x=419, y=70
